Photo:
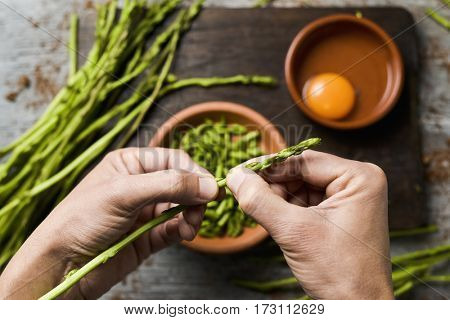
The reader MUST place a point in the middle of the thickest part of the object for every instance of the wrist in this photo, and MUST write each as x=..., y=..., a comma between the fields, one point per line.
x=39, y=265
x=370, y=290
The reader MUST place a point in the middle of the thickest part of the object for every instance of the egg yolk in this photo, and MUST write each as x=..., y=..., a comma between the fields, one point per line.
x=329, y=95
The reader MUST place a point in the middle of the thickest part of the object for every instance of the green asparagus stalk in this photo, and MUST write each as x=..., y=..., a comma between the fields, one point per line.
x=407, y=286
x=410, y=284
x=438, y=18
x=73, y=45
x=413, y=232
x=408, y=272
x=436, y=278
x=420, y=254
x=284, y=154
x=262, y=3
x=75, y=275
x=215, y=81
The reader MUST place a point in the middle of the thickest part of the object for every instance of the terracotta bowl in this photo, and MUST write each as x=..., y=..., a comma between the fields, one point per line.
x=355, y=48
x=271, y=141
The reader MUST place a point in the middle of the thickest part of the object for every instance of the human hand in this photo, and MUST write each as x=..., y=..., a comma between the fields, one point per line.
x=128, y=188
x=329, y=217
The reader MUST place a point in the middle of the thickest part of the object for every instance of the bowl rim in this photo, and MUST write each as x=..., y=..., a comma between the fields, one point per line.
x=260, y=233
x=390, y=96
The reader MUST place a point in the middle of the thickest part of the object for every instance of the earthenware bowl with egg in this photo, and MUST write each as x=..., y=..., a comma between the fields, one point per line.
x=355, y=67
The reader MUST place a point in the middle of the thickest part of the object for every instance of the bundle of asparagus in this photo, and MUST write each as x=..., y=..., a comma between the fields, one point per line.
x=85, y=118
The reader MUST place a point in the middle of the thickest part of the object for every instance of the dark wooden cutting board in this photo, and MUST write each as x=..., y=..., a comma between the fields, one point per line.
x=255, y=41
x=224, y=42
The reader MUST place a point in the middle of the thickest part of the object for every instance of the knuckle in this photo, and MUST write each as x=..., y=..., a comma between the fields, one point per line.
x=182, y=180
x=111, y=155
x=179, y=158
x=372, y=175
x=306, y=156
x=182, y=154
x=116, y=154
x=376, y=174
x=176, y=179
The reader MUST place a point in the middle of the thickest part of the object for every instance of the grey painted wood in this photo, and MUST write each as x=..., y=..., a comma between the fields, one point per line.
x=177, y=273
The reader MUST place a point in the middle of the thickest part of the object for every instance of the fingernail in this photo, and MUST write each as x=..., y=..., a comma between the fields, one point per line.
x=208, y=188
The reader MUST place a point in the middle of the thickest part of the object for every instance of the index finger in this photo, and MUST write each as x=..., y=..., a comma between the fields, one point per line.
x=147, y=160
x=315, y=168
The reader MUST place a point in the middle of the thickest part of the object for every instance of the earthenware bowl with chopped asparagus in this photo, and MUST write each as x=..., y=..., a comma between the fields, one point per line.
x=220, y=136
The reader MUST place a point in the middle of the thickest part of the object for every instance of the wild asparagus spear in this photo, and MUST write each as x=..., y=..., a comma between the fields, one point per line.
x=283, y=155
x=421, y=254
x=262, y=3
x=73, y=45
x=413, y=232
x=438, y=18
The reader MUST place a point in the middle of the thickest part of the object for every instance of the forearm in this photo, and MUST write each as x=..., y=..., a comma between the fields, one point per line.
x=37, y=267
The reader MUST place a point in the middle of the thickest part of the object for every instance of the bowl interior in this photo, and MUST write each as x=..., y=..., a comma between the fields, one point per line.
x=271, y=141
x=355, y=48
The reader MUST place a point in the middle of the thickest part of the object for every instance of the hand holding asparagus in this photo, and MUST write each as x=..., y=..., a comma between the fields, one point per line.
x=329, y=217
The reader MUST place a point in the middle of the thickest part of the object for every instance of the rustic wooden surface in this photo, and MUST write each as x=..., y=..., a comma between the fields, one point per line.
x=177, y=273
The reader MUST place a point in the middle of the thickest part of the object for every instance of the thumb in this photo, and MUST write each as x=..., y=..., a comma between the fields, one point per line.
x=256, y=197
x=177, y=186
